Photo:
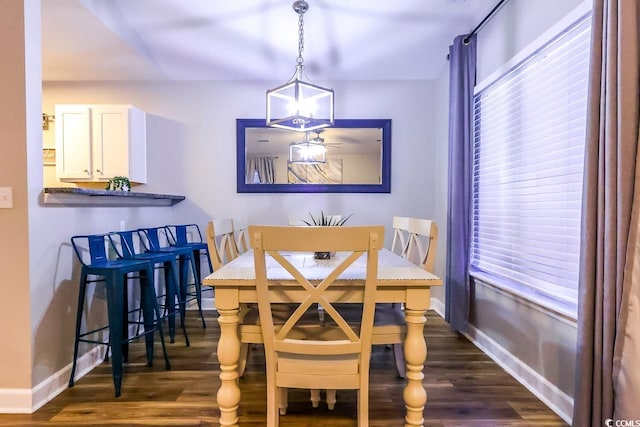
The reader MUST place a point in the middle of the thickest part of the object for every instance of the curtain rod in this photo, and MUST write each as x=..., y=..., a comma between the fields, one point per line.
x=486, y=18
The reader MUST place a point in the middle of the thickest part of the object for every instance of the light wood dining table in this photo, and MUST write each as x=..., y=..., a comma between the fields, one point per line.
x=399, y=281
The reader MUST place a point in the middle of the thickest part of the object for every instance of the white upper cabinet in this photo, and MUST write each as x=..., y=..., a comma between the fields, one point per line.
x=98, y=142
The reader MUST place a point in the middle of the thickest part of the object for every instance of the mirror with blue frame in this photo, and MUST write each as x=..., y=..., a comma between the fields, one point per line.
x=353, y=156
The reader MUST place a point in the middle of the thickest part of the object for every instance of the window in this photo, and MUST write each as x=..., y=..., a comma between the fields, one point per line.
x=527, y=172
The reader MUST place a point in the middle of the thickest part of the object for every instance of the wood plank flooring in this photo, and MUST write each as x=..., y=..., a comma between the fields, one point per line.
x=464, y=386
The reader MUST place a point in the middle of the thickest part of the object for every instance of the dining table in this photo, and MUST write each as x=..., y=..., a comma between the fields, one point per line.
x=399, y=281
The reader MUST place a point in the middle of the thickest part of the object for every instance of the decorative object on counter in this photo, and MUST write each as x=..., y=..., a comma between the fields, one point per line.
x=49, y=156
x=299, y=105
x=119, y=183
x=326, y=221
x=46, y=119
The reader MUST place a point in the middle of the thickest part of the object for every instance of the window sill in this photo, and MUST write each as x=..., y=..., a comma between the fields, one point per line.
x=546, y=303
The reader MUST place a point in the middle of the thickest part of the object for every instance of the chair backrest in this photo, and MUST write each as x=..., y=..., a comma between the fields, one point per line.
x=416, y=240
x=221, y=241
x=400, y=235
x=90, y=248
x=127, y=241
x=313, y=356
x=181, y=234
x=296, y=220
x=154, y=238
x=241, y=233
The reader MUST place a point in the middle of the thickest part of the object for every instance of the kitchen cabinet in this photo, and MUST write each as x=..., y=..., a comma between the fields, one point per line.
x=97, y=142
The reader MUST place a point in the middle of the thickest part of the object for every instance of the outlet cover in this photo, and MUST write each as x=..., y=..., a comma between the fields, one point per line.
x=6, y=198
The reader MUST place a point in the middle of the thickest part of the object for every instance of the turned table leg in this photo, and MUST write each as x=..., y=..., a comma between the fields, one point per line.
x=228, y=396
x=415, y=353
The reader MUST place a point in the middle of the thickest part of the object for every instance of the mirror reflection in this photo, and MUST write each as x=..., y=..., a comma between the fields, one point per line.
x=352, y=156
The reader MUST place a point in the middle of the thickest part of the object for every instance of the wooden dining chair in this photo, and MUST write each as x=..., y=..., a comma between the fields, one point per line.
x=322, y=220
x=223, y=248
x=400, y=235
x=416, y=241
x=221, y=241
x=241, y=234
x=308, y=355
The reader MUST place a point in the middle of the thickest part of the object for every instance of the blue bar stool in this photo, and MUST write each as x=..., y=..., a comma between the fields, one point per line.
x=185, y=258
x=115, y=275
x=189, y=235
x=126, y=241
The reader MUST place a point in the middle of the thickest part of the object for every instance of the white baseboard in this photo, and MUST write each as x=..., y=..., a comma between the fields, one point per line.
x=437, y=306
x=558, y=401
x=27, y=401
x=207, y=304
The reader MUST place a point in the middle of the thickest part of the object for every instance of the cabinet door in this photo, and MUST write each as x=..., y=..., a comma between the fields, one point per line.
x=73, y=142
x=110, y=137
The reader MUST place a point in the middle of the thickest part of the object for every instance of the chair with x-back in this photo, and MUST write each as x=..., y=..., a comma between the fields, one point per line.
x=221, y=241
x=308, y=355
x=415, y=240
x=241, y=234
x=223, y=249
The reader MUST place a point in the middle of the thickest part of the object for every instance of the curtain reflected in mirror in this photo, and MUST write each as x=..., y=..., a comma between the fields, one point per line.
x=356, y=157
x=260, y=170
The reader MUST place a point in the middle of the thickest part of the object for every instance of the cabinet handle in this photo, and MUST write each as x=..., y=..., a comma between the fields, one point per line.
x=99, y=171
x=86, y=171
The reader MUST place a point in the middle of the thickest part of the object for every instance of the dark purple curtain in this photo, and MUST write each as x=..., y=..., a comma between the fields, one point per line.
x=462, y=79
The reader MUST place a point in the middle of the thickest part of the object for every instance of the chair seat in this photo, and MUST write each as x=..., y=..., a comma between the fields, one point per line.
x=388, y=324
x=120, y=264
x=389, y=328
x=250, y=329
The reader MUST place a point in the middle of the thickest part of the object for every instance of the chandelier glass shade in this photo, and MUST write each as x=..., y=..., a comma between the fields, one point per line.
x=299, y=105
x=308, y=151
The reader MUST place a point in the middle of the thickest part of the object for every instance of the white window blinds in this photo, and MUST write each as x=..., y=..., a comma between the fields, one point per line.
x=527, y=170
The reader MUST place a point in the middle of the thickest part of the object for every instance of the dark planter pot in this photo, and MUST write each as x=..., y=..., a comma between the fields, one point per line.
x=322, y=255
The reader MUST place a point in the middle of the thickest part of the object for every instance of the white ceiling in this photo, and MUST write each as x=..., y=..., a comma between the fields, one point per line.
x=251, y=39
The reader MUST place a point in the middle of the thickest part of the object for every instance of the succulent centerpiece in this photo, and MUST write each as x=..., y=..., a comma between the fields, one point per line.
x=325, y=221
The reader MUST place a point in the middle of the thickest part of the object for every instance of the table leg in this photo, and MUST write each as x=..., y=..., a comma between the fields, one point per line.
x=228, y=396
x=415, y=353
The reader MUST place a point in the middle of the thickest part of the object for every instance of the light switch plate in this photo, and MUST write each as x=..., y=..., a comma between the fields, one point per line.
x=6, y=198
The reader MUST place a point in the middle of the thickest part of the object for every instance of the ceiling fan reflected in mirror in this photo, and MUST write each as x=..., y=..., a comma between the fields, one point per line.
x=335, y=141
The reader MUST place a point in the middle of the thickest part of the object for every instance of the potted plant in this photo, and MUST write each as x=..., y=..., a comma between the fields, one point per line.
x=325, y=221
x=119, y=183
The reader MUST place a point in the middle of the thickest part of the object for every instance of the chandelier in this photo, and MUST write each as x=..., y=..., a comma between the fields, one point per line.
x=299, y=105
x=308, y=151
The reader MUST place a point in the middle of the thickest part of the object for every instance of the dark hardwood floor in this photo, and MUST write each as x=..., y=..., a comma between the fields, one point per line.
x=464, y=386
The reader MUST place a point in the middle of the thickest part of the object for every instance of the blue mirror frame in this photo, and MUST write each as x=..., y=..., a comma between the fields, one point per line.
x=383, y=187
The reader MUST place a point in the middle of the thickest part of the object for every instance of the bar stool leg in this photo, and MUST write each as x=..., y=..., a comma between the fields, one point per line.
x=152, y=317
x=115, y=297
x=184, y=279
x=169, y=301
x=174, y=289
x=198, y=285
x=81, y=296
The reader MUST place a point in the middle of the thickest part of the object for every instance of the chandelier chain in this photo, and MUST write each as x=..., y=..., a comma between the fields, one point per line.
x=300, y=59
